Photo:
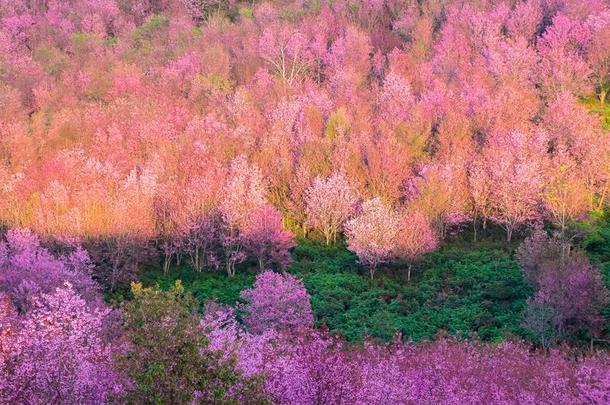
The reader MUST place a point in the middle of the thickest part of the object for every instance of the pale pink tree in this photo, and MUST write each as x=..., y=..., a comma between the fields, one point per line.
x=562, y=48
x=417, y=237
x=439, y=191
x=479, y=186
x=565, y=194
x=277, y=301
x=396, y=98
x=373, y=234
x=516, y=162
x=287, y=51
x=599, y=54
x=243, y=195
x=265, y=239
x=330, y=202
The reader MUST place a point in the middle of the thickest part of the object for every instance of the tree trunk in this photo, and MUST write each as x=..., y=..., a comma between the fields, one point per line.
x=372, y=272
x=166, y=263
x=474, y=227
x=328, y=236
x=229, y=268
x=409, y=272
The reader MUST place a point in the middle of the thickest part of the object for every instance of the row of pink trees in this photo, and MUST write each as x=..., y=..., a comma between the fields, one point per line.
x=242, y=225
x=119, y=121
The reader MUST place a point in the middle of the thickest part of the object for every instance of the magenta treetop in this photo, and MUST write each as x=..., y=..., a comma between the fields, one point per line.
x=277, y=302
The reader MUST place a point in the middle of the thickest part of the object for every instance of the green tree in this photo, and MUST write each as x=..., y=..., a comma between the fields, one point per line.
x=168, y=359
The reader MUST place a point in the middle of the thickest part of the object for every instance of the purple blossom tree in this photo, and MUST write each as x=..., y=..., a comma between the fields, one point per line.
x=59, y=353
x=277, y=301
x=28, y=269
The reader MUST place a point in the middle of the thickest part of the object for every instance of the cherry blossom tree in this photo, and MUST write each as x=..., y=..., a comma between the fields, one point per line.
x=480, y=193
x=563, y=50
x=60, y=353
x=199, y=239
x=516, y=162
x=243, y=195
x=598, y=54
x=416, y=237
x=266, y=240
x=373, y=234
x=330, y=202
x=311, y=366
x=28, y=269
x=287, y=52
x=565, y=196
x=277, y=301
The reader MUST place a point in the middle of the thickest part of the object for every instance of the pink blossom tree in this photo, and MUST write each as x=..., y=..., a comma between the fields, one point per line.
x=312, y=367
x=330, y=202
x=480, y=186
x=243, y=195
x=563, y=48
x=565, y=195
x=199, y=239
x=60, y=354
x=517, y=162
x=416, y=237
x=373, y=234
x=287, y=52
x=265, y=239
x=598, y=53
x=277, y=301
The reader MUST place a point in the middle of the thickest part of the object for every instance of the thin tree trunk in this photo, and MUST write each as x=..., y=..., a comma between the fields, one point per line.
x=474, y=227
x=409, y=272
x=166, y=263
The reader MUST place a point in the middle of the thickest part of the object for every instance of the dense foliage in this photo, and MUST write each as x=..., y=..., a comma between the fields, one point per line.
x=311, y=368
x=208, y=126
x=304, y=201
